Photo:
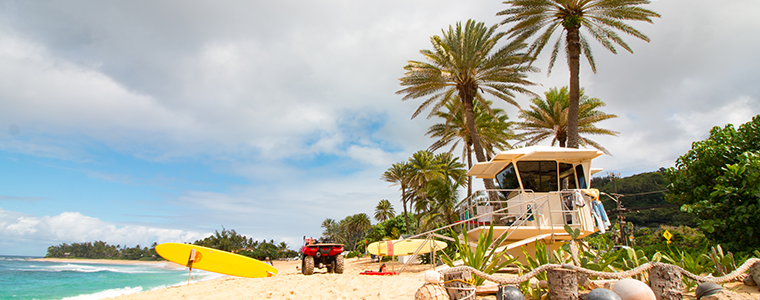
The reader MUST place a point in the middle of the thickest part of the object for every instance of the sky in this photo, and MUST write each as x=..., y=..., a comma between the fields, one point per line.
x=135, y=122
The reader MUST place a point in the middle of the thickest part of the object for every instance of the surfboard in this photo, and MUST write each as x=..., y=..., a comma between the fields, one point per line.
x=214, y=260
x=404, y=247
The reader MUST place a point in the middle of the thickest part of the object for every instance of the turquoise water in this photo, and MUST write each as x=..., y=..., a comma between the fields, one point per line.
x=21, y=278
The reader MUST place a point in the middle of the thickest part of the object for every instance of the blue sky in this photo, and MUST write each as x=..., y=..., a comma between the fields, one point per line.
x=140, y=122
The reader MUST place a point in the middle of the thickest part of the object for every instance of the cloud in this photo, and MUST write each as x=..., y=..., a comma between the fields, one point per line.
x=71, y=227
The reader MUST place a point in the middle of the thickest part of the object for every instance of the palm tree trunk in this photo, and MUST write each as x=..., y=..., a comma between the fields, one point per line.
x=467, y=95
x=574, y=49
x=468, y=150
x=403, y=202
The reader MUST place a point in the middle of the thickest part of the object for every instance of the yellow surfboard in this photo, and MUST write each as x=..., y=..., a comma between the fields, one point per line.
x=214, y=260
x=404, y=247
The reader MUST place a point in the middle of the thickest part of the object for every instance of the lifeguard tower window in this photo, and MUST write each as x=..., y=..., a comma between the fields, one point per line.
x=566, y=176
x=581, y=176
x=507, y=180
x=538, y=176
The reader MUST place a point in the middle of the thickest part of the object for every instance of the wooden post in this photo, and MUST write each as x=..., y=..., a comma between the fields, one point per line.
x=754, y=273
x=665, y=282
x=457, y=286
x=563, y=284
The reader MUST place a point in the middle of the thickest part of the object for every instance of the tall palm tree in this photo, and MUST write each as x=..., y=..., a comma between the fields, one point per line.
x=355, y=227
x=440, y=205
x=494, y=129
x=384, y=210
x=398, y=174
x=461, y=66
x=549, y=119
x=600, y=18
x=331, y=229
x=441, y=192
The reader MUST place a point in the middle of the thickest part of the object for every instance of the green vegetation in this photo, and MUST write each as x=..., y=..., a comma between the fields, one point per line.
x=462, y=66
x=548, y=119
x=227, y=240
x=601, y=18
x=350, y=231
x=384, y=210
x=484, y=257
x=718, y=181
x=101, y=250
x=646, y=190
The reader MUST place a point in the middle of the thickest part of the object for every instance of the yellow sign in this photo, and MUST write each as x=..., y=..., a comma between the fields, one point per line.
x=667, y=235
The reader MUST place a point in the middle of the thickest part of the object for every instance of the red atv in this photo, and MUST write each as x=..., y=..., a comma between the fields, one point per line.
x=321, y=256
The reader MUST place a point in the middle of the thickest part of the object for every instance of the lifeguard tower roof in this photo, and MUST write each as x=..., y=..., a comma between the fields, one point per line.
x=569, y=155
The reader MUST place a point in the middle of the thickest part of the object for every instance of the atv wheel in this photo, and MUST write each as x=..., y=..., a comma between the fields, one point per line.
x=338, y=264
x=307, y=266
x=331, y=266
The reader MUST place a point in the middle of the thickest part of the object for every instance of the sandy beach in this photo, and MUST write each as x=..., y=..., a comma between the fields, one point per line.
x=291, y=284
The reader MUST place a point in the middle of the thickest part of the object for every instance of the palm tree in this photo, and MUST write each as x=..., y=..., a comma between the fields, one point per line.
x=494, y=130
x=399, y=173
x=384, y=210
x=462, y=66
x=331, y=229
x=549, y=118
x=354, y=228
x=438, y=206
x=601, y=18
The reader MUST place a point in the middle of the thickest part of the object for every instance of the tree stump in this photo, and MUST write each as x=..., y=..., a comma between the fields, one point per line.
x=563, y=284
x=457, y=286
x=665, y=282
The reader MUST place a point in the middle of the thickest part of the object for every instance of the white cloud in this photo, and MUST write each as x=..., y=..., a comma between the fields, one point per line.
x=71, y=227
x=697, y=124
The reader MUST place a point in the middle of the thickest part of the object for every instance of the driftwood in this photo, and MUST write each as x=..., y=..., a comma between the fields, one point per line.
x=665, y=282
x=563, y=284
x=459, y=285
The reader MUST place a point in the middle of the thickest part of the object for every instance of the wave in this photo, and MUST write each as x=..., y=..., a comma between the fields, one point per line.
x=107, y=293
x=82, y=268
x=16, y=258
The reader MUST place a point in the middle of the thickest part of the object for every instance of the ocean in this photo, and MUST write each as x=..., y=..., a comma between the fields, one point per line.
x=21, y=278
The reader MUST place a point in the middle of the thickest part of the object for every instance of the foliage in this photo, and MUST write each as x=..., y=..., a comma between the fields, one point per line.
x=494, y=128
x=685, y=238
x=718, y=180
x=540, y=258
x=231, y=241
x=641, y=190
x=384, y=210
x=101, y=250
x=697, y=263
x=723, y=263
x=548, y=119
x=350, y=231
x=631, y=259
x=399, y=174
x=484, y=258
x=389, y=229
x=600, y=18
x=463, y=65
x=227, y=240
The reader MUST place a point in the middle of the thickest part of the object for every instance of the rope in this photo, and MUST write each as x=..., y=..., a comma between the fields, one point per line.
x=608, y=275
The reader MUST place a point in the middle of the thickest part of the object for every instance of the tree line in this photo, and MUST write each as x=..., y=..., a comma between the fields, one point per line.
x=226, y=240
x=102, y=250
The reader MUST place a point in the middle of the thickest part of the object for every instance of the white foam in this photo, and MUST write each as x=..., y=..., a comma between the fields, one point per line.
x=83, y=268
x=107, y=294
